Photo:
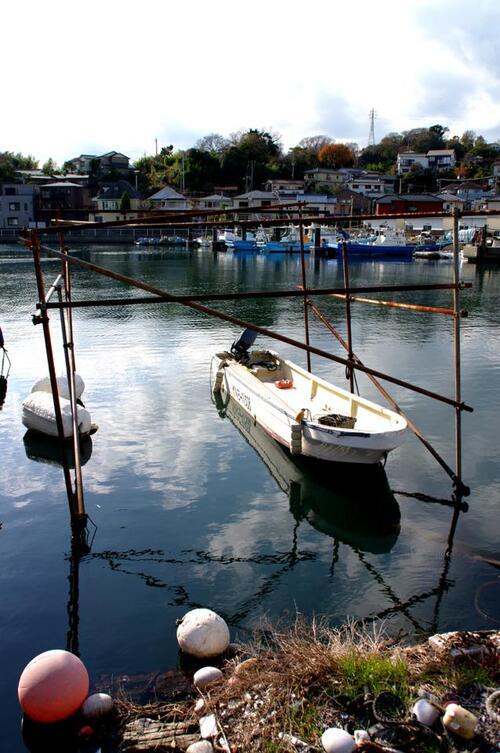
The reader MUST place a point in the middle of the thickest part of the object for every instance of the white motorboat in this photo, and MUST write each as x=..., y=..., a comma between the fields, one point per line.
x=303, y=412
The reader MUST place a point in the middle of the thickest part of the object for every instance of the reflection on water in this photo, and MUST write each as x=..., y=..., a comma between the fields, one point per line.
x=353, y=505
x=188, y=514
x=44, y=449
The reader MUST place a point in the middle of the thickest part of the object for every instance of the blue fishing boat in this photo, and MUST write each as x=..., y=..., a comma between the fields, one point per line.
x=289, y=243
x=389, y=243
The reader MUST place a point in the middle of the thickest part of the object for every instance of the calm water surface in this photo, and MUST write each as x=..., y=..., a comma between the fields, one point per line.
x=194, y=508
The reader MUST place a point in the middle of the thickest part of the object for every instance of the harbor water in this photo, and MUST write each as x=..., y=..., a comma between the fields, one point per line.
x=194, y=506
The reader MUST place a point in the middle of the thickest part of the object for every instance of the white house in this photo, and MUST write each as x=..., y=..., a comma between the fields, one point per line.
x=407, y=160
x=215, y=201
x=372, y=184
x=168, y=199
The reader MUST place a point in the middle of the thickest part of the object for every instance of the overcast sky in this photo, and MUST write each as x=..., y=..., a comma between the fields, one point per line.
x=106, y=74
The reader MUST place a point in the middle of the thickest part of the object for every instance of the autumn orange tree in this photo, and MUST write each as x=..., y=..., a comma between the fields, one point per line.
x=335, y=156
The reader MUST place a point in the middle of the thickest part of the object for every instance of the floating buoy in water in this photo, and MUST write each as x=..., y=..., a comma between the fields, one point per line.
x=201, y=632
x=206, y=676
x=336, y=740
x=97, y=705
x=53, y=686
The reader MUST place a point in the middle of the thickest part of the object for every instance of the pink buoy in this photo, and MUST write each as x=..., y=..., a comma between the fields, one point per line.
x=53, y=686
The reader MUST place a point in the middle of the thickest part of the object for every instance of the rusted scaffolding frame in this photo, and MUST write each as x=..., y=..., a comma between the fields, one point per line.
x=65, y=304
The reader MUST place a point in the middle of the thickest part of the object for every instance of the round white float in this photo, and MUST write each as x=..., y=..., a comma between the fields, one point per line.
x=425, y=712
x=97, y=705
x=206, y=676
x=202, y=633
x=336, y=740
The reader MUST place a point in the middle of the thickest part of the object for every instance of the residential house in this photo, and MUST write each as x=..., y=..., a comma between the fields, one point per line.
x=323, y=178
x=352, y=202
x=405, y=203
x=83, y=163
x=16, y=205
x=64, y=200
x=315, y=203
x=371, y=184
x=168, y=199
x=108, y=203
x=407, y=160
x=105, y=163
x=214, y=201
x=255, y=199
x=114, y=162
x=451, y=201
x=441, y=159
x=284, y=186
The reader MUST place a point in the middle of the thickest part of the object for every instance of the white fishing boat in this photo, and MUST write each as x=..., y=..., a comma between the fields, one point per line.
x=303, y=412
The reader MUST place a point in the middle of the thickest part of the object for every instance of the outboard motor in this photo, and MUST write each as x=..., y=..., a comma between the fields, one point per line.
x=240, y=347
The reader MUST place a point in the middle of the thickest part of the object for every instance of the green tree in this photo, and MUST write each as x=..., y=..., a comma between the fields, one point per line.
x=124, y=203
x=10, y=163
x=49, y=167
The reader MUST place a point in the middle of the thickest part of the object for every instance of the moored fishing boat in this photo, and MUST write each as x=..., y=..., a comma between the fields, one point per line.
x=302, y=411
x=389, y=242
x=288, y=243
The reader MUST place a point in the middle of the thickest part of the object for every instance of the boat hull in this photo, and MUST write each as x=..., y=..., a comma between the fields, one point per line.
x=284, y=247
x=385, y=249
x=279, y=421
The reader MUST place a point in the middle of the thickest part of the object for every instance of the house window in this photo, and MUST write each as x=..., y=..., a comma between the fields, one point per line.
x=14, y=206
x=25, y=207
x=9, y=191
x=12, y=222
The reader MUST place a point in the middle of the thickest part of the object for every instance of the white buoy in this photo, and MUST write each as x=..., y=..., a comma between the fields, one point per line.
x=336, y=740
x=425, y=712
x=208, y=726
x=97, y=705
x=202, y=633
x=206, y=676
x=203, y=746
x=43, y=385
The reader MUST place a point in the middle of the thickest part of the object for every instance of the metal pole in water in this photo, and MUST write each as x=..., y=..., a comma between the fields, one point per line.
x=35, y=248
x=69, y=354
x=456, y=333
x=304, y=287
x=348, y=315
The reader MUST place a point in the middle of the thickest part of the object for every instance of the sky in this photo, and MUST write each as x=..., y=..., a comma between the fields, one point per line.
x=106, y=75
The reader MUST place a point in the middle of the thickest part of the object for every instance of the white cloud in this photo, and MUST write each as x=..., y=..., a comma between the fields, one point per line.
x=117, y=74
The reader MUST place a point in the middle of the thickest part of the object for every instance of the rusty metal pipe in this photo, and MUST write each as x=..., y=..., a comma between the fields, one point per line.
x=396, y=305
x=388, y=397
x=261, y=330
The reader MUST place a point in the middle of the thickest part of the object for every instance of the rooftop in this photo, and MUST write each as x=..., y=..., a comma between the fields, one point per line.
x=165, y=193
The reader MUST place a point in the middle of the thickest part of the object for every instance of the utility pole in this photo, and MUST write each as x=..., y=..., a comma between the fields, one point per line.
x=156, y=147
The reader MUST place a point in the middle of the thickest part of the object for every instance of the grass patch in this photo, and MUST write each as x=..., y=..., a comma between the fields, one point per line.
x=375, y=671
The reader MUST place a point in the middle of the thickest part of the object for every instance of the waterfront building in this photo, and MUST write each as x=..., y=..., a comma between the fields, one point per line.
x=16, y=205
x=63, y=200
x=404, y=203
x=108, y=203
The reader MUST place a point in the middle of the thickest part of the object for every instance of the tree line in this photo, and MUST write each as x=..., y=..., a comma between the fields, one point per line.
x=246, y=159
